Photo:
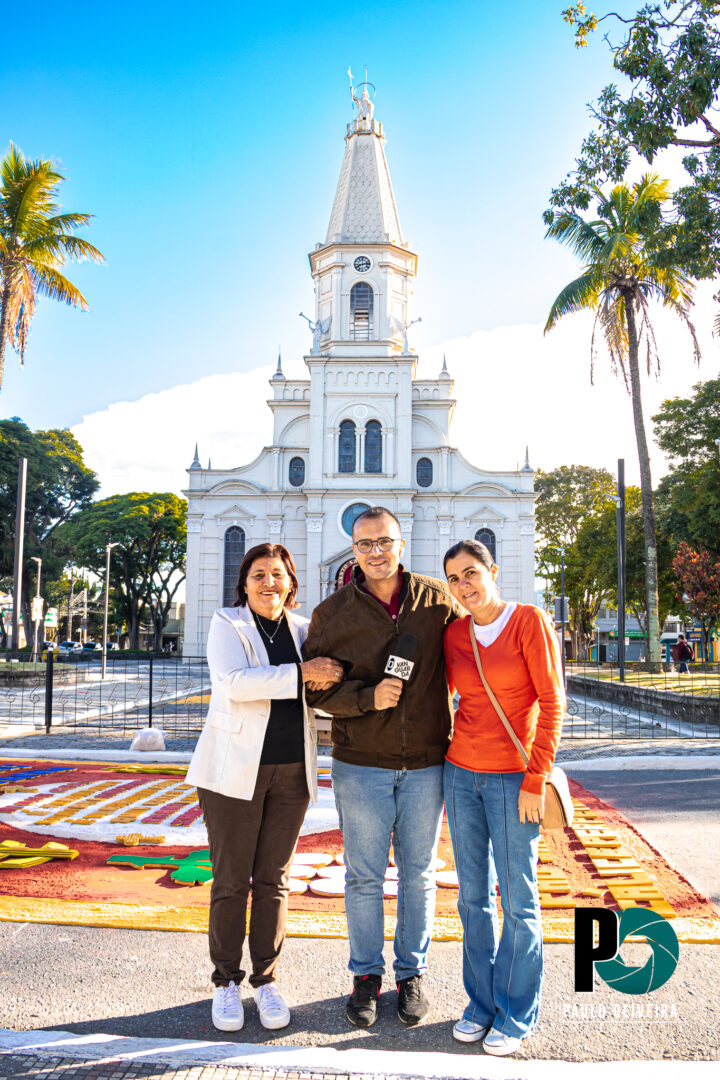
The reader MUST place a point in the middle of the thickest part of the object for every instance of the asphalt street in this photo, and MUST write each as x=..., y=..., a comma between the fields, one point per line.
x=678, y=812
x=155, y=985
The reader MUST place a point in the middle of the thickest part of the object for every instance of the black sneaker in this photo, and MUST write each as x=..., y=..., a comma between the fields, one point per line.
x=413, y=1006
x=362, y=1003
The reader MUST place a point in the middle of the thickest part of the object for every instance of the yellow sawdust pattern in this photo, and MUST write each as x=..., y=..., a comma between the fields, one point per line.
x=698, y=931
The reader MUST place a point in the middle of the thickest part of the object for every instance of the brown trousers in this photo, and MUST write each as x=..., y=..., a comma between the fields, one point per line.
x=252, y=838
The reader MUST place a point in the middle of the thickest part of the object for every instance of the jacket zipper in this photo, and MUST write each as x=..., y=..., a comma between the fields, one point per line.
x=402, y=698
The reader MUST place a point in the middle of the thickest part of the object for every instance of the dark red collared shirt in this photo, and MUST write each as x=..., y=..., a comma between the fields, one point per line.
x=393, y=607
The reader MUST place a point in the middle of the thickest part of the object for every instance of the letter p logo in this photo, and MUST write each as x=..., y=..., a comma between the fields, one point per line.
x=612, y=932
x=586, y=952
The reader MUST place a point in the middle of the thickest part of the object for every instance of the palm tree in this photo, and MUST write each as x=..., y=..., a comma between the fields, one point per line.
x=35, y=240
x=622, y=273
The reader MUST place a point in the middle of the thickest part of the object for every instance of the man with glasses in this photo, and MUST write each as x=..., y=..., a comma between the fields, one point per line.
x=389, y=743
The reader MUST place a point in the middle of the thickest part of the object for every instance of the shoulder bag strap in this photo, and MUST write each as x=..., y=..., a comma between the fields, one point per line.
x=496, y=704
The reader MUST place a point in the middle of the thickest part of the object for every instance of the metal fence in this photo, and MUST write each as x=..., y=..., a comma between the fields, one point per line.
x=137, y=692
x=650, y=702
x=173, y=692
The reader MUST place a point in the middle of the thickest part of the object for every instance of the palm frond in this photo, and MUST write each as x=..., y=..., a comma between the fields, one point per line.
x=67, y=222
x=650, y=188
x=59, y=246
x=579, y=295
x=51, y=283
x=583, y=238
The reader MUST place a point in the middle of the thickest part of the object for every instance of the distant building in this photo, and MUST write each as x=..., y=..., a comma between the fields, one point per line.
x=360, y=430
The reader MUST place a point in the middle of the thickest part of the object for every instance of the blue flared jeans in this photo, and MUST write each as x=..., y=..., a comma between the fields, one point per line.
x=502, y=979
x=376, y=806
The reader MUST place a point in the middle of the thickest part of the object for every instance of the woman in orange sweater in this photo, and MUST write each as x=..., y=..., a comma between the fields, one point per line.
x=494, y=804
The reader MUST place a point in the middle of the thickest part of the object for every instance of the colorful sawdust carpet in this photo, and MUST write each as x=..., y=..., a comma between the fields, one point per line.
x=83, y=815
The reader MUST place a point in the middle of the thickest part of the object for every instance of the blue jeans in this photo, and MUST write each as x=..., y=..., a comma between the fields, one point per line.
x=375, y=806
x=502, y=982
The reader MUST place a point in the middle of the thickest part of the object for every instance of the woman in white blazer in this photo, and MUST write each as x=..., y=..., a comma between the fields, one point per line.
x=255, y=768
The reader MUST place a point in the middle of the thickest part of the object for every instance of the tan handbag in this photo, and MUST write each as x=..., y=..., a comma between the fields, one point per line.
x=559, y=809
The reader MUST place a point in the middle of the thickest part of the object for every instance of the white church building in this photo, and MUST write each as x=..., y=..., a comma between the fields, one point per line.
x=360, y=430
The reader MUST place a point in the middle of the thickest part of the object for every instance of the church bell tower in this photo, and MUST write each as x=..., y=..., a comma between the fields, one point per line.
x=360, y=364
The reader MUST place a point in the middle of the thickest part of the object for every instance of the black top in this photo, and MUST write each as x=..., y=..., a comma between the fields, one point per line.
x=285, y=734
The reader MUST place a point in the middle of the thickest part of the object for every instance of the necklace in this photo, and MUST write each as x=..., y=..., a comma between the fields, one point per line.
x=270, y=637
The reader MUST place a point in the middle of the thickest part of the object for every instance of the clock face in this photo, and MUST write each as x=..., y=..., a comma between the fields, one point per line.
x=362, y=264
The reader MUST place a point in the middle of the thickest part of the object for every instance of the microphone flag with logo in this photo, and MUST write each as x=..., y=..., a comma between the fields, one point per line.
x=400, y=661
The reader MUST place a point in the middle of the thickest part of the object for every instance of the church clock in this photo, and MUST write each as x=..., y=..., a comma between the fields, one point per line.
x=362, y=264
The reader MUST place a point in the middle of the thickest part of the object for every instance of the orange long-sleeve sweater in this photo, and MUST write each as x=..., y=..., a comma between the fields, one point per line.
x=523, y=669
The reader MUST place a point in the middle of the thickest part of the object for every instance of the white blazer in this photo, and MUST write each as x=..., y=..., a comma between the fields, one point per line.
x=243, y=683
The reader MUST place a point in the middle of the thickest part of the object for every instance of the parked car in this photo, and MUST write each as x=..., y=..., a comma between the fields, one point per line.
x=68, y=647
x=51, y=645
x=92, y=647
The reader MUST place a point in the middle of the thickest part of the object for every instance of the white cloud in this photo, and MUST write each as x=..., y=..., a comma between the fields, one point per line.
x=147, y=445
x=513, y=387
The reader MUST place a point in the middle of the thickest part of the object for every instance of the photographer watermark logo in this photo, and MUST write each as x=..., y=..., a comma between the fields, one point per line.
x=603, y=956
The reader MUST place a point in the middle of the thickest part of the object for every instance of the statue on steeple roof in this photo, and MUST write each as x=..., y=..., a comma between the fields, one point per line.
x=363, y=103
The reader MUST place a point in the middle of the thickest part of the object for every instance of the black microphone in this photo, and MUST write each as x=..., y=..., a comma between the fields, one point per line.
x=400, y=662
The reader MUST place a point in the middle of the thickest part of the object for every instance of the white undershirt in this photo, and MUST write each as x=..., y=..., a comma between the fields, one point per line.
x=489, y=633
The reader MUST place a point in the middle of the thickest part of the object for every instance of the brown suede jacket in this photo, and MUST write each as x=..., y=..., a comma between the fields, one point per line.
x=353, y=628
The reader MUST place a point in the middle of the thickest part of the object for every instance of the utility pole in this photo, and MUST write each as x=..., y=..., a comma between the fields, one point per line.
x=19, y=549
x=620, y=519
x=108, y=549
x=562, y=608
x=71, y=601
x=37, y=608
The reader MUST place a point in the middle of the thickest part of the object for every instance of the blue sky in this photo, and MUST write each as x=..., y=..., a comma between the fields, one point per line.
x=207, y=140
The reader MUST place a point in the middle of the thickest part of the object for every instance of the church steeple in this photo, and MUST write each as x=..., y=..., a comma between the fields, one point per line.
x=363, y=270
x=364, y=210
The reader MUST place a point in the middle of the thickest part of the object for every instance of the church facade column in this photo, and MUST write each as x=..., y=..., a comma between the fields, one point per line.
x=406, y=529
x=443, y=468
x=314, y=523
x=388, y=461
x=192, y=645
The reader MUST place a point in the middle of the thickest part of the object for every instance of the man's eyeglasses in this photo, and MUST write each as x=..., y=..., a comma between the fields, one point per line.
x=383, y=544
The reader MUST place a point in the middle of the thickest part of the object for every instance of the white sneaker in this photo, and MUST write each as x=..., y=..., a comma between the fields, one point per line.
x=227, y=1008
x=499, y=1045
x=469, y=1031
x=272, y=1007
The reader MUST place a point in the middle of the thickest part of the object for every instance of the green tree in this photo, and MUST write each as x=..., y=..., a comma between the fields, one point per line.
x=568, y=497
x=148, y=563
x=620, y=276
x=35, y=241
x=686, y=430
x=668, y=55
x=59, y=484
x=698, y=579
x=596, y=551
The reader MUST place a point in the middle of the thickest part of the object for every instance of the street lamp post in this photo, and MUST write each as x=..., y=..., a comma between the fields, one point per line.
x=562, y=620
x=38, y=606
x=108, y=548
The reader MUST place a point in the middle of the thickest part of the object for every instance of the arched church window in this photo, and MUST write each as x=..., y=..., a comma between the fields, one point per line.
x=487, y=537
x=361, y=312
x=350, y=513
x=234, y=554
x=346, y=447
x=296, y=473
x=424, y=472
x=373, y=446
